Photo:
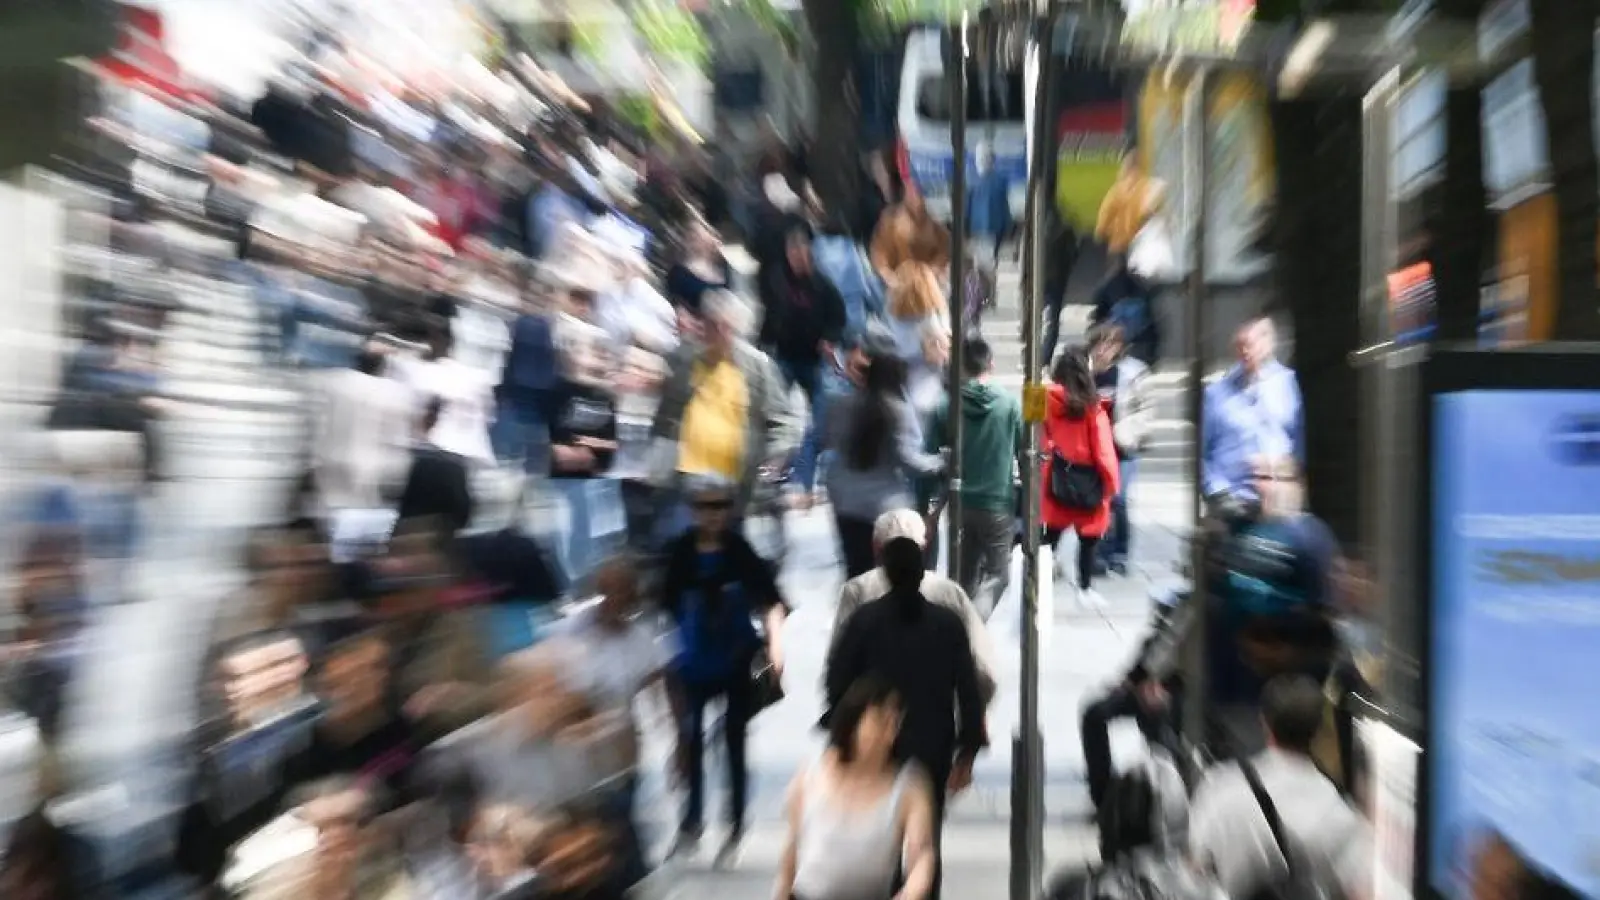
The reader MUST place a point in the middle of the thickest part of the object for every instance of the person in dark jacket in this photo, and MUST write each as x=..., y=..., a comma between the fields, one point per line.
x=527, y=392
x=923, y=652
x=1059, y=261
x=716, y=586
x=438, y=484
x=804, y=323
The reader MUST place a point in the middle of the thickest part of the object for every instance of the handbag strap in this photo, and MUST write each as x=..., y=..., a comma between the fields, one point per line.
x=1269, y=809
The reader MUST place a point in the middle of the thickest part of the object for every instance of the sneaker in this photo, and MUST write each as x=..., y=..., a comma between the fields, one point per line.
x=728, y=856
x=1091, y=599
x=686, y=845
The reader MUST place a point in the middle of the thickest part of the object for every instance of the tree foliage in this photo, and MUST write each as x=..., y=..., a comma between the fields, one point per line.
x=671, y=32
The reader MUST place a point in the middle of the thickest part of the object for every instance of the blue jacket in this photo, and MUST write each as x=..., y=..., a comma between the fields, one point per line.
x=989, y=205
x=531, y=364
x=844, y=263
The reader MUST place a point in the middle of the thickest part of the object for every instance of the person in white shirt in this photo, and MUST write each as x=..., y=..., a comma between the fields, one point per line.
x=361, y=448
x=615, y=657
x=1229, y=834
x=621, y=656
x=633, y=312
x=466, y=395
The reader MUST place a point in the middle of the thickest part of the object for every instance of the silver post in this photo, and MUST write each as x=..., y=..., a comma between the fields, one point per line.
x=1196, y=172
x=1027, y=749
x=957, y=67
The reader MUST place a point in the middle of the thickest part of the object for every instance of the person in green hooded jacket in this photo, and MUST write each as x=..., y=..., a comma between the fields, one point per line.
x=993, y=444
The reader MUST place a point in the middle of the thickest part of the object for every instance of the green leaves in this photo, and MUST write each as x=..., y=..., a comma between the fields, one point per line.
x=671, y=32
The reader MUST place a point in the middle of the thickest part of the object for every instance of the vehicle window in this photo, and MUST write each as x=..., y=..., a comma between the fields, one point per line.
x=933, y=99
x=995, y=99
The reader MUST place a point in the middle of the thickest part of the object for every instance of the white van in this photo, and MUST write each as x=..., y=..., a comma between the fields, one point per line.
x=925, y=156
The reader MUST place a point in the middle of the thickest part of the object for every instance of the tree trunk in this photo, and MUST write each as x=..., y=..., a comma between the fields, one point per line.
x=835, y=155
x=1457, y=249
x=1563, y=64
x=1318, y=146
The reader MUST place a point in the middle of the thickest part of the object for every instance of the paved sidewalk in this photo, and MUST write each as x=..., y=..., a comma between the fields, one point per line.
x=1083, y=650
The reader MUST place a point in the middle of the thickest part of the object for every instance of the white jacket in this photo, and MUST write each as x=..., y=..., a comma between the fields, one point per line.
x=362, y=438
x=1132, y=412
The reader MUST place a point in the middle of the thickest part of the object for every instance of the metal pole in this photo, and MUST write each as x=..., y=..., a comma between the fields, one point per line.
x=957, y=68
x=1027, y=747
x=1196, y=173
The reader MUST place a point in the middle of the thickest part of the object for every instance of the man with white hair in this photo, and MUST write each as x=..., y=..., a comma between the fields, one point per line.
x=725, y=409
x=940, y=591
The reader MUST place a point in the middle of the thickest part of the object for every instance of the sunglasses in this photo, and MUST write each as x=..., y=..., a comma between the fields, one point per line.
x=714, y=505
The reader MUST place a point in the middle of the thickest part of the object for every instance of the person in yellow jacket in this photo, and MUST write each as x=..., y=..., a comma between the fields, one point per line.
x=1133, y=198
x=1125, y=297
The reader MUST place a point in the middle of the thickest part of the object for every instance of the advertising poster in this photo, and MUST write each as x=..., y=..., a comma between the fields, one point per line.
x=1241, y=175
x=1392, y=762
x=1093, y=131
x=1413, y=304
x=1515, y=727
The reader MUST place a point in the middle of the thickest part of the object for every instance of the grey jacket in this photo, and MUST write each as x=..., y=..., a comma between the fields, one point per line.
x=774, y=431
x=940, y=591
x=868, y=493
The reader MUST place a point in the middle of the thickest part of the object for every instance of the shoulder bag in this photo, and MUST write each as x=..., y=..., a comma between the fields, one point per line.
x=1075, y=485
x=1297, y=883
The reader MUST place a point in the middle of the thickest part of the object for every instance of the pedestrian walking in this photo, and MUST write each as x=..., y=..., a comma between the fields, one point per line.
x=940, y=591
x=994, y=447
x=1080, y=468
x=1123, y=384
x=724, y=411
x=1275, y=822
x=714, y=589
x=857, y=816
x=923, y=652
x=1251, y=412
x=803, y=327
x=878, y=446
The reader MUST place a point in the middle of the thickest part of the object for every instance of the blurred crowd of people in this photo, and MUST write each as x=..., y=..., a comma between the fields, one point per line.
x=547, y=402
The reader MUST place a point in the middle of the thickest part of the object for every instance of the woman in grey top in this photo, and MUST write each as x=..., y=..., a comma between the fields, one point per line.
x=857, y=817
x=877, y=446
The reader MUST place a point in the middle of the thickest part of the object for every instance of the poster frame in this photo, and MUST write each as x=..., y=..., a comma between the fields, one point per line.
x=1452, y=369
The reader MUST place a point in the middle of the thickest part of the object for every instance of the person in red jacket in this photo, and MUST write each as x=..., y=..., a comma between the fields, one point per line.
x=1080, y=471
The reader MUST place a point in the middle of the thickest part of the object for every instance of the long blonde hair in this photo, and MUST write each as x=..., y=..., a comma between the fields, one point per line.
x=916, y=293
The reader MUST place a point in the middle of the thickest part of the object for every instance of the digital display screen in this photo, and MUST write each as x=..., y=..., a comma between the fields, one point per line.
x=1515, y=729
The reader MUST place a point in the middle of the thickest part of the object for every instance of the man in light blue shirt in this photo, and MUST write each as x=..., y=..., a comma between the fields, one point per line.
x=1252, y=412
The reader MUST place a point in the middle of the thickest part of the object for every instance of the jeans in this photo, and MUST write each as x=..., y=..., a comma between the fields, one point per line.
x=735, y=722
x=521, y=432
x=594, y=524
x=1114, y=548
x=809, y=378
x=985, y=565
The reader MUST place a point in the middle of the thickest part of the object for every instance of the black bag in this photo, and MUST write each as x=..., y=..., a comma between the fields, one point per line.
x=1078, y=485
x=1075, y=485
x=766, y=688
